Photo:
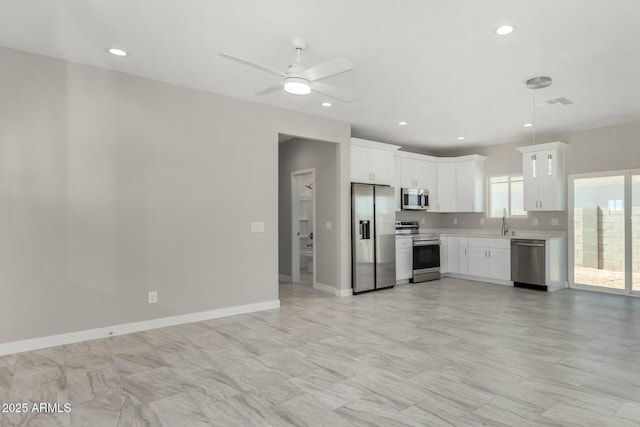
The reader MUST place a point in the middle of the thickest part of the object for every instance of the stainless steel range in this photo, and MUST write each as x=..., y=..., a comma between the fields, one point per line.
x=426, y=251
x=426, y=257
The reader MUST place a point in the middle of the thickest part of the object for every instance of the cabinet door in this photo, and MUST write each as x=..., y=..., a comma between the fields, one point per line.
x=531, y=181
x=404, y=263
x=420, y=173
x=552, y=180
x=407, y=175
x=452, y=254
x=432, y=181
x=463, y=260
x=465, y=186
x=478, y=262
x=360, y=159
x=444, y=254
x=446, y=185
x=381, y=166
x=500, y=263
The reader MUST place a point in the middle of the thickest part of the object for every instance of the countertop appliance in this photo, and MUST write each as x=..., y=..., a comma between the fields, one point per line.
x=414, y=199
x=528, y=267
x=373, y=240
x=426, y=257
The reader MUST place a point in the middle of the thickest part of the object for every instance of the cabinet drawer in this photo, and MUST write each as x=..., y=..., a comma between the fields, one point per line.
x=404, y=242
x=479, y=242
x=500, y=243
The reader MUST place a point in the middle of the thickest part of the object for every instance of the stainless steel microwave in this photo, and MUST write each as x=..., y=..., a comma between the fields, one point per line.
x=414, y=199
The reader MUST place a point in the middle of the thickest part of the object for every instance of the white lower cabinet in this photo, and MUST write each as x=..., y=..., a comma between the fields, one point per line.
x=481, y=257
x=463, y=255
x=404, y=259
x=490, y=257
x=449, y=254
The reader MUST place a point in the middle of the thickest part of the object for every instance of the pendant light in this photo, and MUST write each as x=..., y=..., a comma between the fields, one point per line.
x=534, y=84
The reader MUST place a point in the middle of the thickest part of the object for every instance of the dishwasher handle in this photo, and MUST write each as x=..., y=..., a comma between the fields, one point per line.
x=530, y=243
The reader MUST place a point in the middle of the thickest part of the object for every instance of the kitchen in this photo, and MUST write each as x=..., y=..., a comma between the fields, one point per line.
x=453, y=185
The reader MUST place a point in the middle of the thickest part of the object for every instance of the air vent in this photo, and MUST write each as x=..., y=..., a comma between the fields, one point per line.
x=562, y=100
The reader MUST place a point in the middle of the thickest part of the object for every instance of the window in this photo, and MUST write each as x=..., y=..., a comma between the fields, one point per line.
x=506, y=196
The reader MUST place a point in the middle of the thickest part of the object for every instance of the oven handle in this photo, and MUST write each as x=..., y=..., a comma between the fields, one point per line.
x=432, y=243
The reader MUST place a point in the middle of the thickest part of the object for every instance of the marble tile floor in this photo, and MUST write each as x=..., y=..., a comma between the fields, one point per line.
x=445, y=353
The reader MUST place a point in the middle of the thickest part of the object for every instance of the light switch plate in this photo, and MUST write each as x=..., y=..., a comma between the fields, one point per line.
x=555, y=221
x=328, y=225
x=455, y=221
x=535, y=221
x=481, y=221
x=257, y=227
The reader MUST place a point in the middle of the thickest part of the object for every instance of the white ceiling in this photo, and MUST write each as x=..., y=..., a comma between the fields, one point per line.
x=437, y=64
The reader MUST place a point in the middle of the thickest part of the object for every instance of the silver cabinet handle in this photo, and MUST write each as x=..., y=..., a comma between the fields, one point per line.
x=489, y=253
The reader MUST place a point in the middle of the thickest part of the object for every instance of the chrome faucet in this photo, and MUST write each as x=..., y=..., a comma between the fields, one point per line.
x=505, y=229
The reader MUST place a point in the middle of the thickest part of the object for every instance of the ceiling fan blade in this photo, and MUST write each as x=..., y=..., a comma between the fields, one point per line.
x=332, y=92
x=253, y=64
x=328, y=69
x=270, y=89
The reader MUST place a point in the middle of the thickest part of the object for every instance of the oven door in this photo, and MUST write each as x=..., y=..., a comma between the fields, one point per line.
x=426, y=261
x=426, y=256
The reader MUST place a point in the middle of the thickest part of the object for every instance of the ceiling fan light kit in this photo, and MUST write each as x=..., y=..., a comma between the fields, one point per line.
x=300, y=79
x=297, y=86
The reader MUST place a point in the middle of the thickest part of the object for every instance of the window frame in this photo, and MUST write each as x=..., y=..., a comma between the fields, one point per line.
x=509, y=177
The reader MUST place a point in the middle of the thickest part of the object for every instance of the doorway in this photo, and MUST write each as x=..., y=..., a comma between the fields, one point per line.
x=604, y=232
x=303, y=214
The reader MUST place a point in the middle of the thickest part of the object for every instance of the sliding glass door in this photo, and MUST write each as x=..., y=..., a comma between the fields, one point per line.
x=635, y=232
x=604, y=240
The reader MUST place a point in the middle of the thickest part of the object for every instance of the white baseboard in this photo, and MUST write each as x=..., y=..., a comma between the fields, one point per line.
x=324, y=288
x=479, y=279
x=127, y=328
x=284, y=278
x=344, y=292
x=333, y=290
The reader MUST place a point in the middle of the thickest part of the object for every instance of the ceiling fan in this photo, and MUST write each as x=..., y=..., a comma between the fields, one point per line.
x=300, y=80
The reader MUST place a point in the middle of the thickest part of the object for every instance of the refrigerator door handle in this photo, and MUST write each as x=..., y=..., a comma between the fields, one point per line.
x=365, y=230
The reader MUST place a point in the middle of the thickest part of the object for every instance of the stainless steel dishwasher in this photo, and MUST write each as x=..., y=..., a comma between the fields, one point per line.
x=528, y=262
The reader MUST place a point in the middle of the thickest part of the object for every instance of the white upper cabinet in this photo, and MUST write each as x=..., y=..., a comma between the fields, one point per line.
x=446, y=188
x=460, y=185
x=413, y=172
x=372, y=162
x=470, y=185
x=544, y=177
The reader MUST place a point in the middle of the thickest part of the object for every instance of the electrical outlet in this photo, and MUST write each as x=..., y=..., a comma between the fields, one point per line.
x=535, y=222
x=555, y=221
x=455, y=221
x=257, y=227
x=422, y=221
x=153, y=297
x=481, y=221
x=328, y=225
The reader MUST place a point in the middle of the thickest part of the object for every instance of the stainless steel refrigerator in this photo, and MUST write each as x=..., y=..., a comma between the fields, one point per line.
x=373, y=240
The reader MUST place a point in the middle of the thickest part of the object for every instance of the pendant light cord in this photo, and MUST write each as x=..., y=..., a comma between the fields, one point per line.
x=534, y=116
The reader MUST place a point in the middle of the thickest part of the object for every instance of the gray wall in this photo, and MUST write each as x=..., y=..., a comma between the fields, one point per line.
x=298, y=154
x=594, y=150
x=113, y=185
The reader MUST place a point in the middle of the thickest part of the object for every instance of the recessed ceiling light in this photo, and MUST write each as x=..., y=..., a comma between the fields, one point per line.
x=460, y=138
x=117, y=52
x=504, y=30
x=402, y=123
x=527, y=125
x=326, y=104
